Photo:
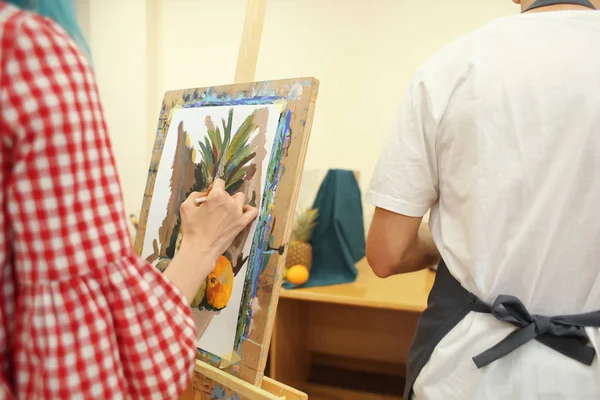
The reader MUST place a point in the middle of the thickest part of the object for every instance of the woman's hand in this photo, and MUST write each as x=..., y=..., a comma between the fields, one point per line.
x=208, y=230
x=213, y=225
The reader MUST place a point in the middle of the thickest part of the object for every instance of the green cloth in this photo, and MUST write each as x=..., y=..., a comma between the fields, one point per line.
x=339, y=238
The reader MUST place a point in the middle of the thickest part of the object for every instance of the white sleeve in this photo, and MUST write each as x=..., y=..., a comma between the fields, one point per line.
x=405, y=180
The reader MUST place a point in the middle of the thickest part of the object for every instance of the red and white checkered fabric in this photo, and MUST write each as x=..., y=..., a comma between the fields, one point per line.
x=80, y=315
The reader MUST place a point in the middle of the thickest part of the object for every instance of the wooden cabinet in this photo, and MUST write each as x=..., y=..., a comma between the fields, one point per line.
x=348, y=341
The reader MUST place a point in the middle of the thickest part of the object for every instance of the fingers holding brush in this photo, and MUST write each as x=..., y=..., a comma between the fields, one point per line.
x=200, y=200
x=240, y=199
x=213, y=219
x=218, y=186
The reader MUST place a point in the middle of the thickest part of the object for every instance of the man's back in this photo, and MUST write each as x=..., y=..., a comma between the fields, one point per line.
x=510, y=121
x=518, y=153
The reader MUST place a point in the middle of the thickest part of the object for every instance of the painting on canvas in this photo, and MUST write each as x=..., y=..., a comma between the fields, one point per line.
x=196, y=151
x=241, y=134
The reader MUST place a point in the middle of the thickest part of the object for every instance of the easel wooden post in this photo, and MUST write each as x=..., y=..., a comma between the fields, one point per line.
x=245, y=71
x=250, y=43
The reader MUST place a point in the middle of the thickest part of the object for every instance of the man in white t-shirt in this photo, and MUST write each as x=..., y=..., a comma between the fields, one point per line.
x=499, y=136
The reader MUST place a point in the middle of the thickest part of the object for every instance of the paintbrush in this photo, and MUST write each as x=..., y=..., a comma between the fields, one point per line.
x=200, y=200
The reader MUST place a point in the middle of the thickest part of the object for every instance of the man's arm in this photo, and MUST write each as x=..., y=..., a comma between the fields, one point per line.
x=404, y=185
x=398, y=244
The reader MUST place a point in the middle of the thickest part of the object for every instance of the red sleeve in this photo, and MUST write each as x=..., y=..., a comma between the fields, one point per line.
x=92, y=319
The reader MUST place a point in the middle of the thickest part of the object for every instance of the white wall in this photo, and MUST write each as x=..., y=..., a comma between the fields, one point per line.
x=116, y=33
x=362, y=51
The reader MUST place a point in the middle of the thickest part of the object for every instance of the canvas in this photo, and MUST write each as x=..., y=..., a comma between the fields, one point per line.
x=195, y=152
x=254, y=137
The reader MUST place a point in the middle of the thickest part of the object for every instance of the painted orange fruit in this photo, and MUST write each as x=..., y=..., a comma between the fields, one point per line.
x=219, y=284
x=297, y=275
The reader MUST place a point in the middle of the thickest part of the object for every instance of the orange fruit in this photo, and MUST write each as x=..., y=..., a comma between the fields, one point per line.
x=220, y=284
x=297, y=275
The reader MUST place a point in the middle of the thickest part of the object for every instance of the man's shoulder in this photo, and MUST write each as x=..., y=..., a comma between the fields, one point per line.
x=450, y=68
x=461, y=52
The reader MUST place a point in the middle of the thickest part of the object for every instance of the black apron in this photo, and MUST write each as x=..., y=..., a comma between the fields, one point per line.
x=449, y=302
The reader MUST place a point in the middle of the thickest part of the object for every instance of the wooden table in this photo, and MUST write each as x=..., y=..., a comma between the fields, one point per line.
x=365, y=326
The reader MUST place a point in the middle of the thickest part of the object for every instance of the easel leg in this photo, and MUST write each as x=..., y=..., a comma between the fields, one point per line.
x=250, y=44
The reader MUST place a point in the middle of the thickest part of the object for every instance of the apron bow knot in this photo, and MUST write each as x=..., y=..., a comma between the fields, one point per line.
x=565, y=334
x=511, y=309
x=542, y=324
x=449, y=303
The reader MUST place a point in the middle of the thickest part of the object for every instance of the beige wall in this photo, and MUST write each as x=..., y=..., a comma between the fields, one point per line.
x=363, y=52
x=115, y=30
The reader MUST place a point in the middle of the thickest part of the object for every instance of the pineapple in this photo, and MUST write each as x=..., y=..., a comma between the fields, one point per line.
x=300, y=250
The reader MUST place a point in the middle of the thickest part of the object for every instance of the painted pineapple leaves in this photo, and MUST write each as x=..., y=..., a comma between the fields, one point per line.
x=225, y=142
x=207, y=163
x=239, y=154
x=227, y=157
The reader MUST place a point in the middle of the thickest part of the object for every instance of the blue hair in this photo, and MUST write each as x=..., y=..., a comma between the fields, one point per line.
x=62, y=12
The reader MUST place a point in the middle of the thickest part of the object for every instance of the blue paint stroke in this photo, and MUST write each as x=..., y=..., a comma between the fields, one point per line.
x=194, y=98
x=212, y=359
x=260, y=254
x=219, y=393
x=257, y=100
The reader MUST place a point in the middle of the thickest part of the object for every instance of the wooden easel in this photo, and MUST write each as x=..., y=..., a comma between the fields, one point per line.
x=269, y=389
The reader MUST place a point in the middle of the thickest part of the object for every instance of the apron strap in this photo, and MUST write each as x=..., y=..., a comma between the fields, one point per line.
x=545, y=3
x=565, y=334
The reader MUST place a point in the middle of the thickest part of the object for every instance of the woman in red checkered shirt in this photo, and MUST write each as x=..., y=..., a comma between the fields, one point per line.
x=81, y=316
